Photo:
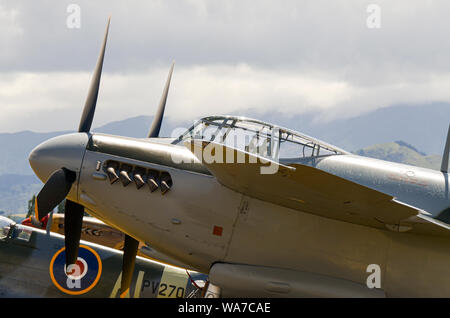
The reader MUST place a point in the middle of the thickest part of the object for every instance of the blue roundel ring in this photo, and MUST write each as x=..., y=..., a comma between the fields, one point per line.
x=84, y=276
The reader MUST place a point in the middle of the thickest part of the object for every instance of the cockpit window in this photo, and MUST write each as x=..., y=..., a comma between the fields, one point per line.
x=21, y=233
x=263, y=139
x=5, y=227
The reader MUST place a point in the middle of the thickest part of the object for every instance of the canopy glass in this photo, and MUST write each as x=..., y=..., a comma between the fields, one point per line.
x=257, y=137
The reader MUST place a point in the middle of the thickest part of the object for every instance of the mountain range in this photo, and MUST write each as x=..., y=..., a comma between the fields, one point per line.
x=395, y=134
x=402, y=152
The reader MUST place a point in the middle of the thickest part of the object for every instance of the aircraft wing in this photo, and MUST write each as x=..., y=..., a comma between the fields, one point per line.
x=314, y=191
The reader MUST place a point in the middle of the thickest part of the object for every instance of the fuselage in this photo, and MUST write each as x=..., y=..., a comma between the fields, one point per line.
x=200, y=222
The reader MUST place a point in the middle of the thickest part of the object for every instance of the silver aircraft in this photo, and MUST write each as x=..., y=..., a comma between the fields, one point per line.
x=265, y=210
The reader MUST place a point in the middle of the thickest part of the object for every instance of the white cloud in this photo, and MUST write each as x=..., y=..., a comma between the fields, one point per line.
x=10, y=31
x=53, y=101
x=234, y=55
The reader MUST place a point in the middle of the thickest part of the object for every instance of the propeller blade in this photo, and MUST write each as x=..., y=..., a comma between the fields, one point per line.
x=444, y=163
x=53, y=192
x=48, y=226
x=73, y=220
x=91, y=100
x=130, y=249
x=157, y=121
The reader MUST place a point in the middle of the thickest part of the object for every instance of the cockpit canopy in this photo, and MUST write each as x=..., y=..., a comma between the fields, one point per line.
x=5, y=226
x=9, y=229
x=257, y=137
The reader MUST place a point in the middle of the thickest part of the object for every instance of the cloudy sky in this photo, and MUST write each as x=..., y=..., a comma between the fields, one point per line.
x=335, y=58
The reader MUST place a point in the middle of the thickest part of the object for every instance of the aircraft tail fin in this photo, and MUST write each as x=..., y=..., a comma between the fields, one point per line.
x=444, y=164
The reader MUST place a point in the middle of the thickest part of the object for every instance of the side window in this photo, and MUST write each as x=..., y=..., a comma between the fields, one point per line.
x=5, y=227
x=4, y=231
x=22, y=233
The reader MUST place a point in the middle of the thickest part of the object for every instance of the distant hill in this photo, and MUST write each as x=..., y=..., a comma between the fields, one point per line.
x=402, y=152
x=16, y=190
x=425, y=127
x=402, y=143
x=18, y=218
x=17, y=146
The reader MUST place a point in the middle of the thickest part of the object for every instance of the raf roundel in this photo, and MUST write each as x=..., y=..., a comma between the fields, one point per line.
x=82, y=278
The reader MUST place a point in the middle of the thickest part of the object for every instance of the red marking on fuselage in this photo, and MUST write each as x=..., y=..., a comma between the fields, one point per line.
x=217, y=230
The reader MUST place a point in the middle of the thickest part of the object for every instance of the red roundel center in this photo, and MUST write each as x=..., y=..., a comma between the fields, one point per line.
x=74, y=271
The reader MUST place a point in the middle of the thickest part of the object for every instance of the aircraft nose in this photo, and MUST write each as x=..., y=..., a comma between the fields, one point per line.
x=64, y=151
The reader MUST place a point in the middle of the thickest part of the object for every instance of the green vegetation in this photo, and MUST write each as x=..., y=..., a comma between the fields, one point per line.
x=401, y=152
x=61, y=206
x=31, y=204
x=16, y=191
